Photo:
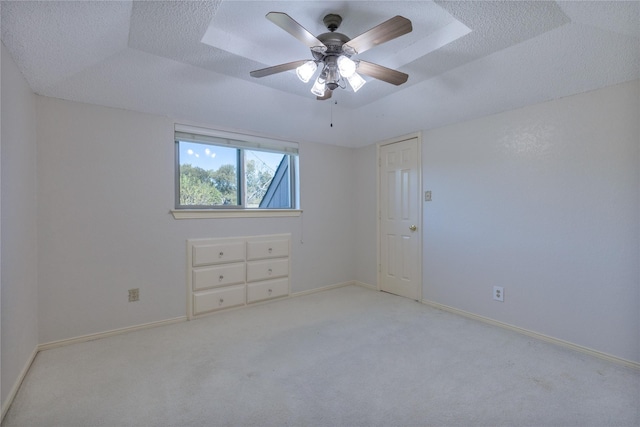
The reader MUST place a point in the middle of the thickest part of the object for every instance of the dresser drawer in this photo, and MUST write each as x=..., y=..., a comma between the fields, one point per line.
x=267, y=269
x=267, y=289
x=217, y=299
x=221, y=275
x=218, y=253
x=267, y=249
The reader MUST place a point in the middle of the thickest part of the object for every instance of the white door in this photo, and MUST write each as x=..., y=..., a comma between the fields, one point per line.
x=399, y=216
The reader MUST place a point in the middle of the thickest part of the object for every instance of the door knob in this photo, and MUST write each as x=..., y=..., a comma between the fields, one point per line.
x=413, y=228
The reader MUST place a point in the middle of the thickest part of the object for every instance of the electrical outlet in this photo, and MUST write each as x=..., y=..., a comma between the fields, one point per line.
x=498, y=293
x=134, y=295
x=427, y=196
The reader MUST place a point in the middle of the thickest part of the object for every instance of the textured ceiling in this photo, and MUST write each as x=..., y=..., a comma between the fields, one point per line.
x=191, y=60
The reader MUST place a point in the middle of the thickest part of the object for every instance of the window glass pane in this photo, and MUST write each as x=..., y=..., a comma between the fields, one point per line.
x=208, y=175
x=267, y=179
x=214, y=172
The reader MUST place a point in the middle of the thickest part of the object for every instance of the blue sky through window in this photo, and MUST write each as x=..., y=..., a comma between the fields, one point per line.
x=211, y=157
x=206, y=156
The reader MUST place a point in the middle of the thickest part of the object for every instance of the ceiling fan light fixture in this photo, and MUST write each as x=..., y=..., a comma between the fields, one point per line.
x=333, y=51
x=356, y=81
x=306, y=70
x=346, y=66
x=319, y=86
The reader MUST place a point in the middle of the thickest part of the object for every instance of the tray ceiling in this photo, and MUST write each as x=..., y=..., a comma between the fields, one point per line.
x=192, y=59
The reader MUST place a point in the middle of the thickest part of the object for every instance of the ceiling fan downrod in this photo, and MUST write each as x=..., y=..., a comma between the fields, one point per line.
x=332, y=22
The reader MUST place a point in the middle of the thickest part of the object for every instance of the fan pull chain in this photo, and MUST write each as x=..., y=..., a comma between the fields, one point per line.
x=336, y=103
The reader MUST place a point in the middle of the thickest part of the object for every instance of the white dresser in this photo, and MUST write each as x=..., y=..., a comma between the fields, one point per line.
x=229, y=272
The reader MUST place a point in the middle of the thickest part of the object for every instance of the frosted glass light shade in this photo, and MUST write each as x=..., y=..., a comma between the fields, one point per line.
x=306, y=70
x=356, y=81
x=319, y=87
x=346, y=66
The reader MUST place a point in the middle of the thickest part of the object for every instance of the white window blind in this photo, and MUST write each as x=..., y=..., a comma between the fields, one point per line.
x=209, y=136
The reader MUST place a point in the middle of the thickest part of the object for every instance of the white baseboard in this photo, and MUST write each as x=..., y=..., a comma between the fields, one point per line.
x=322, y=289
x=536, y=335
x=366, y=285
x=99, y=335
x=16, y=386
x=91, y=337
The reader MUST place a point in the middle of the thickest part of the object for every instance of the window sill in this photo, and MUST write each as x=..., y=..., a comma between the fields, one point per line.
x=234, y=213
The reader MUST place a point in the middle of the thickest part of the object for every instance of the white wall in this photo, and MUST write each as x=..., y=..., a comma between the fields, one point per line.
x=326, y=225
x=18, y=223
x=106, y=185
x=544, y=201
x=365, y=197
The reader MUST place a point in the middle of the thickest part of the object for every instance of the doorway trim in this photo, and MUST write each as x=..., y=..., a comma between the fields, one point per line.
x=379, y=145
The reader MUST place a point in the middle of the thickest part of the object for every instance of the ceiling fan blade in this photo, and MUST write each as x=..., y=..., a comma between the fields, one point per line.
x=388, y=30
x=327, y=95
x=382, y=73
x=277, y=68
x=288, y=24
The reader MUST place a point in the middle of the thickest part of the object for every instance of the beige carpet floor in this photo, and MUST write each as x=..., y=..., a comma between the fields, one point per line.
x=344, y=357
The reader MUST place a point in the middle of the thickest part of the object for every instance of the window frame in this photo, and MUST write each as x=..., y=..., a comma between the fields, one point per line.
x=241, y=143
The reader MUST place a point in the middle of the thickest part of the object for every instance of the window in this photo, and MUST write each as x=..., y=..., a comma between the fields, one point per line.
x=220, y=170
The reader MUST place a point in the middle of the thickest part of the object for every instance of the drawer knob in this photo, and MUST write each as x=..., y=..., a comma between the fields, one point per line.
x=270, y=250
x=221, y=254
x=221, y=300
x=270, y=291
x=270, y=271
x=221, y=277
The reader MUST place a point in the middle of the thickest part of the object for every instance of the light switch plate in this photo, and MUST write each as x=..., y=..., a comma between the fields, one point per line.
x=427, y=196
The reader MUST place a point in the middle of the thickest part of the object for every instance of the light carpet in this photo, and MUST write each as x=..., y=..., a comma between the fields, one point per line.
x=344, y=357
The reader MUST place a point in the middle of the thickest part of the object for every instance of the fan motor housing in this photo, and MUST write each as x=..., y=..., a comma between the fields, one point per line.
x=333, y=42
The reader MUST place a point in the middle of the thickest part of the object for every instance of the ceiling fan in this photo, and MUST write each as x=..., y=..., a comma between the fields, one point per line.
x=333, y=51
